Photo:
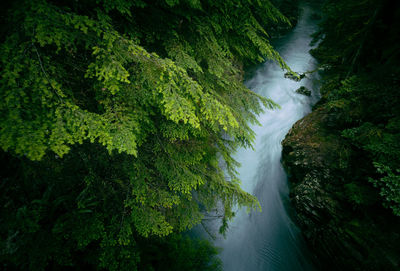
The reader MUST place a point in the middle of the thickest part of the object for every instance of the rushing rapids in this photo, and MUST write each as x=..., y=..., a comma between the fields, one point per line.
x=269, y=240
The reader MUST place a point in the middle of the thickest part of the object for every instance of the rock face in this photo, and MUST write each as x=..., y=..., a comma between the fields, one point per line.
x=303, y=90
x=320, y=164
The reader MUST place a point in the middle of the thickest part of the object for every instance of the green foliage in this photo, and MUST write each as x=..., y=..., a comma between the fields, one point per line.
x=80, y=211
x=382, y=144
x=290, y=8
x=360, y=195
x=389, y=186
x=121, y=118
x=359, y=35
x=117, y=67
x=187, y=254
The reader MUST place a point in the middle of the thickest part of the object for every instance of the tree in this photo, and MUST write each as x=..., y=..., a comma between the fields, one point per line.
x=121, y=118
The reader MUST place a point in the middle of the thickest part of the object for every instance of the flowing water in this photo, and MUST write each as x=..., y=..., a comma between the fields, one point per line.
x=269, y=240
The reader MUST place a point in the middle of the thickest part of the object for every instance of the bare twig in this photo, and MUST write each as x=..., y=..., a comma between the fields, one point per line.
x=44, y=71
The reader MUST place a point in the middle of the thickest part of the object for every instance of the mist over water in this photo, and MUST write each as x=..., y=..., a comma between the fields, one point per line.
x=269, y=240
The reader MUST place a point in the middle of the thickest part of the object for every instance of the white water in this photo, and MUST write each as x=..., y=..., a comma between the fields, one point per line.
x=269, y=240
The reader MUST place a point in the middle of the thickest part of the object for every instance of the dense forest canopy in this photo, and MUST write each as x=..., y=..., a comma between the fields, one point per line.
x=118, y=124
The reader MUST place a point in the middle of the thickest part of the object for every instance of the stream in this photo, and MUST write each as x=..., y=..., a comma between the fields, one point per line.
x=269, y=240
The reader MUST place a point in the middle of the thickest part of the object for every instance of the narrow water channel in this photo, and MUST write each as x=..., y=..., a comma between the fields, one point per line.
x=269, y=240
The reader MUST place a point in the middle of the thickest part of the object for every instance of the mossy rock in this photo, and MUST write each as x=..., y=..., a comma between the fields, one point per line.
x=294, y=76
x=304, y=91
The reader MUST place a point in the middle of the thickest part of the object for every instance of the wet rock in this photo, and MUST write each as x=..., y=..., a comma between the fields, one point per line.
x=304, y=91
x=319, y=163
x=294, y=76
